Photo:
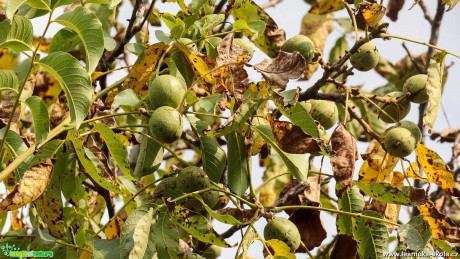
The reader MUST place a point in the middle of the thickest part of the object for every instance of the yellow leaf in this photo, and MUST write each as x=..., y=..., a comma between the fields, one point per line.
x=377, y=166
x=31, y=186
x=47, y=88
x=16, y=220
x=442, y=227
x=413, y=171
x=8, y=60
x=96, y=75
x=44, y=46
x=435, y=168
x=114, y=227
x=372, y=13
x=138, y=77
x=200, y=68
x=278, y=248
x=326, y=6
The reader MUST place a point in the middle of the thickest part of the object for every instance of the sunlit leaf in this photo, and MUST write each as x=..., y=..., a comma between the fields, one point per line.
x=450, y=3
x=385, y=192
x=141, y=235
x=279, y=249
x=17, y=36
x=113, y=229
x=441, y=225
x=326, y=6
x=435, y=168
x=434, y=89
x=377, y=165
x=199, y=67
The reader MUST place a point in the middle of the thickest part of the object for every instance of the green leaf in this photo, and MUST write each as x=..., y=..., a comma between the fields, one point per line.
x=339, y=49
x=416, y=233
x=371, y=236
x=41, y=118
x=126, y=98
x=18, y=35
x=135, y=48
x=434, y=89
x=40, y=4
x=249, y=238
x=47, y=151
x=14, y=142
x=226, y=219
x=74, y=80
x=64, y=40
x=149, y=159
x=141, y=235
x=351, y=201
x=239, y=166
x=89, y=166
x=88, y=27
x=301, y=118
x=116, y=148
x=208, y=22
x=104, y=248
x=296, y=163
x=385, y=192
x=65, y=168
x=196, y=225
x=252, y=29
x=12, y=6
x=8, y=79
x=165, y=236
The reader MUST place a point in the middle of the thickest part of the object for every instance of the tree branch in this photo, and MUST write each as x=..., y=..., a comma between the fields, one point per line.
x=426, y=12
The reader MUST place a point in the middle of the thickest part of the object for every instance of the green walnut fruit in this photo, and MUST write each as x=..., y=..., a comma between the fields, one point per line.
x=284, y=230
x=301, y=44
x=325, y=112
x=192, y=256
x=416, y=86
x=167, y=90
x=212, y=252
x=192, y=179
x=245, y=45
x=396, y=111
x=366, y=58
x=165, y=124
x=399, y=142
x=165, y=184
x=413, y=128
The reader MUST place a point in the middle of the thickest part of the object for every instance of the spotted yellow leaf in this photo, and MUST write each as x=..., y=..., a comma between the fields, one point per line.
x=413, y=171
x=372, y=13
x=378, y=165
x=435, y=168
x=114, y=228
x=199, y=67
x=326, y=6
x=442, y=227
x=8, y=60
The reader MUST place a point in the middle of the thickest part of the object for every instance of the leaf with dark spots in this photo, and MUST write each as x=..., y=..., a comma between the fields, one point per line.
x=345, y=155
x=385, y=192
x=441, y=225
x=292, y=139
x=435, y=168
x=286, y=99
x=279, y=70
x=345, y=247
x=242, y=216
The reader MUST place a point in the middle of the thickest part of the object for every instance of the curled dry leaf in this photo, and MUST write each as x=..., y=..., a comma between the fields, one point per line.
x=8, y=98
x=292, y=139
x=31, y=186
x=345, y=154
x=393, y=8
x=279, y=70
x=60, y=111
x=344, y=247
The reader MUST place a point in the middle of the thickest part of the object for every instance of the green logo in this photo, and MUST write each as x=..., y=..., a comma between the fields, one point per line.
x=14, y=251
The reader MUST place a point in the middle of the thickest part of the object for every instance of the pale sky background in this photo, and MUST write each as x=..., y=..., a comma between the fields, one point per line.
x=411, y=24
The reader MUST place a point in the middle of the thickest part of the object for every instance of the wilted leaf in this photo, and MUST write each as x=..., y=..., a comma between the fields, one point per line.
x=47, y=88
x=292, y=139
x=247, y=241
x=113, y=229
x=441, y=225
x=393, y=8
x=139, y=75
x=434, y=89
x=32, y=184
x=371, y=236
x=8, y=59
x=416, y=233
x=385, y=192
x=345, y=155
x=8, y=99
x=377, y=165
x=344, y=247
x=413, y=171
x=196, y=225
x=326, y=6
x=279, y=70
x=435, y=168
x=272, y=39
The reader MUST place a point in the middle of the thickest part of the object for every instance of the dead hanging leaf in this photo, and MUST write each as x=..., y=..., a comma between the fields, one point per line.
x=6, y=107
x=345, y=247
x=261, y=88
x=29, y=188
x=279, y=70
x=47, y=88
x=8, y=60
x=447, y=135
x=317, y=28
x=231, y=58
x=60, y=111
x=292, y=139
x=369, y=14
x=434, y=89
x=345, y=155
x=378, y=165
x=139, y=75
x=435, y=168
x=326, y=6
x=114, y=228
x=393, y=8
x=442, y=227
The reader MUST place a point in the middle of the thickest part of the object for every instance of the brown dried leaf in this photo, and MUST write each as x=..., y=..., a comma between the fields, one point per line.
x=279, y=70
x=393, y=8
x=6, y=107
x=31, y=186
x=60, y=111
x=345, y=154
x=345, y=247
x=447, y=135
x=292, y=139
x=441, y=225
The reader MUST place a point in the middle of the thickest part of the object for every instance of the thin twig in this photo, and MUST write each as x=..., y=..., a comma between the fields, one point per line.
x=426, y=12
x=270, y=3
